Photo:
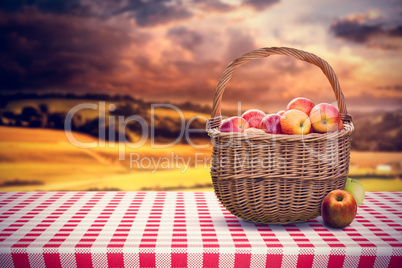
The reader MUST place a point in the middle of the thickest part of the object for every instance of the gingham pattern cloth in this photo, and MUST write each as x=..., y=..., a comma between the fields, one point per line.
x=185, y=229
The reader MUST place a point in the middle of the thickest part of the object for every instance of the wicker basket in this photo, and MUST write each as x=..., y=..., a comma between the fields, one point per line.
x=278, y=179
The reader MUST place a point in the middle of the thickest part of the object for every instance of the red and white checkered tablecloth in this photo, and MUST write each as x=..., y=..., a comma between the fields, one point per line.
x=185, y=229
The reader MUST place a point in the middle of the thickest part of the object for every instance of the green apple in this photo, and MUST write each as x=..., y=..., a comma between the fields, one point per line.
x=356, y=189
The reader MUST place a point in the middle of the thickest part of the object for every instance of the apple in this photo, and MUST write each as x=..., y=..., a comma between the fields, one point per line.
x=271, y=124
x=295, y=122
x=302, y=104
x=356, y=189
x=281, y=112
x=338, y=209
x=253, y=130
x=340, y=126
x=253, y=117
x=324, y=118
x=234, y=124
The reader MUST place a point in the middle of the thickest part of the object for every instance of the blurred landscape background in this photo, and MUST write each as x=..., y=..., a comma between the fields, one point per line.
x=55, y=55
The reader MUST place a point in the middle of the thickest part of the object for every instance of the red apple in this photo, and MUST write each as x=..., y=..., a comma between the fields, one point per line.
x=253, y=117
x=253, y=130
x=295, y=122
x=302, y=104
x=338, y=209
x=281, y=112
x=324, y=118
x=234, y=124
x=271, y=124
x=340, y=126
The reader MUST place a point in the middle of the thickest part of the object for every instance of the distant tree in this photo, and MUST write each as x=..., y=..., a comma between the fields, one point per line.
x=194, y=107
x=113, y=134
x=128, y=98
x=76, y=122
x=29, y=112
x=91, y=127
x=128, y=109
x=56, y=120
x=19, y=182
x=8, y=114
x=95, y=96
x=167, y=127
x=38, y=122
x=367, y=137
x=44, y=108
x=70, y=96
x=3, y=102
x=197, y=124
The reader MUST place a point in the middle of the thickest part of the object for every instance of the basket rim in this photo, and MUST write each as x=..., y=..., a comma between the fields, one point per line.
x=347, y=131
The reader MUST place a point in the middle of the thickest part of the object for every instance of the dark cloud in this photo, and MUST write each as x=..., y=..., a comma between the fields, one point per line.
x=396, y=88
x=259, y=4
x=43, y=51
x=185, y=38
x=152, y=15
x=375, y=35
x=214, y=6
x=52, y=6
x=154, y=12
x=49, y=52
x=397, y=31
x=354, y=31
x=146, y=13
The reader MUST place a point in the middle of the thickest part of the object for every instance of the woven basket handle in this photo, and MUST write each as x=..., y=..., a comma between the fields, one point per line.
x=268, y=51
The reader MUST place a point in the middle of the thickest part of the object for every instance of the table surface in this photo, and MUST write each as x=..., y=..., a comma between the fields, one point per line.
x=185, y=229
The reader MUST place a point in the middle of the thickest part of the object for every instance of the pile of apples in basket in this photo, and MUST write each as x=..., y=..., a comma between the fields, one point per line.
x=302, y=117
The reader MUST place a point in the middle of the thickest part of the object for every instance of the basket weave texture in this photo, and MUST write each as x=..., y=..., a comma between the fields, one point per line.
x=278, y=179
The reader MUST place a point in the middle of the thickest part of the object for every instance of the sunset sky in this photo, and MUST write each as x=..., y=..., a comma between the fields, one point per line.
x=176, y=50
